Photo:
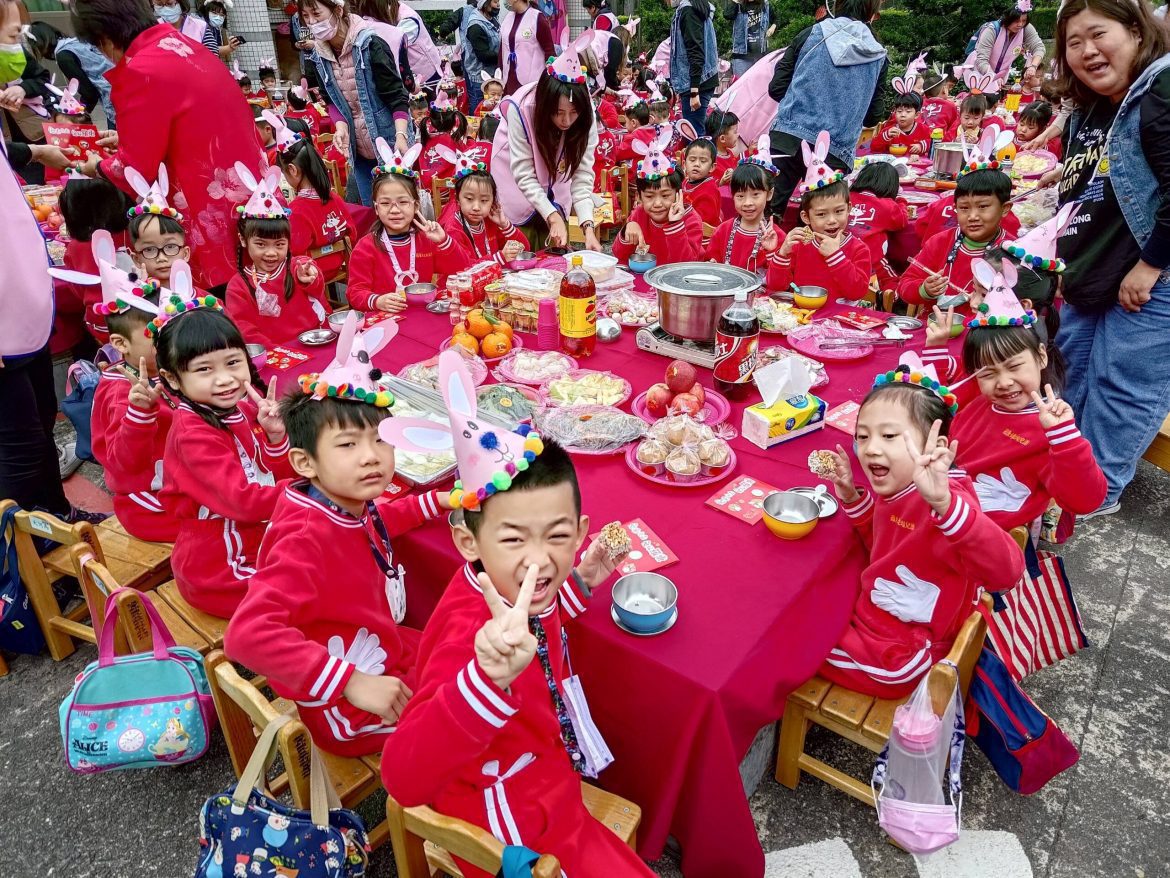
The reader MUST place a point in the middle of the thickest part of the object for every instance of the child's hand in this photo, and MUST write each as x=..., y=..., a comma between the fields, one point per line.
x=932, y=464
x=842, y=478
x=916, y=149
x=268, y=412
x=383, y=696
x=306, y=273
x=504, y=646
x=143, y=395
x=596, y=565
x=677, y=209
x=1054, y=411
x=934, y=284
x=390, y=302
x=799, y=235
x=938, y=333
x=771, y=239
x=633, y=235
x=828, y=245
x=726, y=178
x=512, y=250
x=496, y=215
x=435, y=233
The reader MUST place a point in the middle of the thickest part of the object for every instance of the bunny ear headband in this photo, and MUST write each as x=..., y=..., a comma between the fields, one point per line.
x=982, y=156
x=393, y=163
x=1037, y=248
x=905, y=84
x=67, y=102
x=567, y=66
x=464, y=162
x=763, y=156
x=818, y=174
x=352, y=375
x=488, y=457
x=263, y=203
x=911, y=370
x=442, y=102
x=980, y=83
x=121, y=290
x=152, y=196
x=1000, y=307
x=182, y=299
x=285, y=137
x=656, y=164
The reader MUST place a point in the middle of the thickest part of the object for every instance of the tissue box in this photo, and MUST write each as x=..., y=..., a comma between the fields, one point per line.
x=785, y=419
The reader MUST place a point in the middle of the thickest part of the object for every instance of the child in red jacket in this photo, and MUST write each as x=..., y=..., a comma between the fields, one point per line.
x=225, y=451
x=487, y=736
x=318, y=219
x=700, y=189
x=822, y=252
x=875, y=212
x=478, y=221
x=661, y=224
x=447, y=128
x=273, y=298
x=903, y=128
x=931, y=550
x=403, y=248
x=638, y=130
x=747, y=240
x=299, y=107
x=336, y=646
x=938, y=110
x=722, y=128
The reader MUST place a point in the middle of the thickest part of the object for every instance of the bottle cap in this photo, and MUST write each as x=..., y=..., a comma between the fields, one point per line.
x=577, y=260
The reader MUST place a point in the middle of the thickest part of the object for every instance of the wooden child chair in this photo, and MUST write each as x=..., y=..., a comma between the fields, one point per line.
x=1159, y=451
x=442, y=191
x=244, y=711
x=863, y=719
x=425, y=840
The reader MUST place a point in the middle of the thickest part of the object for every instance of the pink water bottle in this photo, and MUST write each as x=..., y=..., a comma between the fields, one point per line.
x=548, y=328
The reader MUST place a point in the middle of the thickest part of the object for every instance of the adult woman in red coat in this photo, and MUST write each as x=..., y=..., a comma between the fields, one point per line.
x=179, y=106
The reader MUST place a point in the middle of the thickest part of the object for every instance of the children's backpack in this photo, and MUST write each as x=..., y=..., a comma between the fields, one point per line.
x=19, y=629
x=1025, y=747
x=80, y=385
x=923, y=756
x=975, y=36
x=137, y=711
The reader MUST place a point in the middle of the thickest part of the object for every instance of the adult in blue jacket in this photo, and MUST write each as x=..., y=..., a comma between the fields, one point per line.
x=694, y=58
x=831, y=78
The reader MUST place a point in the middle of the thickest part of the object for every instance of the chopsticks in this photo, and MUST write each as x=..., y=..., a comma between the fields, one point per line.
x=958, y=290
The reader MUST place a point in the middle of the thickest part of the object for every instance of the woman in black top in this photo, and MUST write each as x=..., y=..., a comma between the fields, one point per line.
x=1113, y=59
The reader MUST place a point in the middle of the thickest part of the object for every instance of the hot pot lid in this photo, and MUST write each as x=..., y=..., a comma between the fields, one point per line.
x=702, y=279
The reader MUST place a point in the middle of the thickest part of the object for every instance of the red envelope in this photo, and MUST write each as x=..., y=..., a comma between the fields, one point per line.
x=844, y=416
x=648, y=552
x=281, y=358
x=742, y=498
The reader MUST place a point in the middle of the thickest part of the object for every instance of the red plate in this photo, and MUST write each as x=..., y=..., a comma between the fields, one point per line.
x=715, y=409
x=670, y=479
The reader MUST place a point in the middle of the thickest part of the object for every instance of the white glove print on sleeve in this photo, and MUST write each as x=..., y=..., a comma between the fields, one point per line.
x=911, y=600
x=365, y=653
x=1005, y=494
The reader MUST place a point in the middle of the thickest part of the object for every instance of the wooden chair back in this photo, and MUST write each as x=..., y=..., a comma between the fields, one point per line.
x=622, y=176
x=1159, y=451
x=424, y=840
x=97, y=584
x=442, y=191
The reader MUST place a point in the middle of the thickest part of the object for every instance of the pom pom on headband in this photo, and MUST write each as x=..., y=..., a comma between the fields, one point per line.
x=314, y=385
x=393, y=162
x=910, y=370
x=176, y=306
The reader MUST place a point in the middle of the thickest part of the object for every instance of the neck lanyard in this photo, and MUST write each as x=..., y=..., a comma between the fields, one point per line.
x=260, y=277
x=737, y=229
x=383, y=554
x=471, y=236
x=399, y=274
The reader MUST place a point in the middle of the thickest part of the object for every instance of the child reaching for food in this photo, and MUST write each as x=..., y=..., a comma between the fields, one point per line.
x=931, y=550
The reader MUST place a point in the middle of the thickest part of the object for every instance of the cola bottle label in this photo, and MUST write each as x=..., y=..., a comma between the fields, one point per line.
x=735, y=357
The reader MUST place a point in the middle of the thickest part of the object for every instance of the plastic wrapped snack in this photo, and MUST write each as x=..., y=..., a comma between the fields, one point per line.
x=535, y=367
x=653, y=451
x=589, y=429
x=683, y=462
x=714, y=452
x=775, y=316
x=775, y=353
x=631, y=310
x=506, y=404
x=586, y=387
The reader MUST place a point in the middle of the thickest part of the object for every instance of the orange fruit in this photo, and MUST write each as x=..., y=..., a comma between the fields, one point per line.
x=466, y=341
x=496, y=344
x=502, y=327
x=478, y=323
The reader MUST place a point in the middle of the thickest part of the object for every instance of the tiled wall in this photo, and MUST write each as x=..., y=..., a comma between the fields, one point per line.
x=252, y=20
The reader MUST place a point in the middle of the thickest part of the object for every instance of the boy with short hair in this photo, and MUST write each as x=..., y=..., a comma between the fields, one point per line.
x=700, y=189
x=903, y=128
x=320, y=617
x=822, y=252
x=943, y=265
x=661, y=224
x=266, y=134
x=722, y=128
x=487, y=737
x=638, y=130
x=938, y=110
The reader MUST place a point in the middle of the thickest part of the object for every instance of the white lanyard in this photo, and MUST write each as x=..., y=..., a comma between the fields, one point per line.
x=399, y=274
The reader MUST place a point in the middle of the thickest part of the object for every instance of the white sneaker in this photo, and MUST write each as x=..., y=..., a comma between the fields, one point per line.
x=1105, y=509
x=67, y=459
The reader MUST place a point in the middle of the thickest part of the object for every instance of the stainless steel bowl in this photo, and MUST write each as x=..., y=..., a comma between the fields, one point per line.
x=644, y=601
x=317, y=337
x=337, y=320
x=692, y=296
x=421, y=293
x=255, y=351
x=948, y=160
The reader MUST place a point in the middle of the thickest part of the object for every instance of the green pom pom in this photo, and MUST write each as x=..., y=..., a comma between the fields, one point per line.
x=360, y=393
x=332, y=391
x=459, y=484
x=521, y=464
x=984, y=308
x=502, y=481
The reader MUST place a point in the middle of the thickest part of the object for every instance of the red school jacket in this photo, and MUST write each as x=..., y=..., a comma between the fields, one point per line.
x=270, y=320
x=315, y=224
x=309, y=116
x=371, y=272
x=672, y=242
x=705, y=198
x=741, y=247
x=940, y=216
x=486, y=242
x=177, y=103
x=844, y=274
x=308, y=633
x=872, y=219
x=492, y=757
x=939, y=113
x=79, y=257
x=130, y=443
x=220, y=486
x=933, y=256
x=625, y=148
x=889, y=134
x=923, y=580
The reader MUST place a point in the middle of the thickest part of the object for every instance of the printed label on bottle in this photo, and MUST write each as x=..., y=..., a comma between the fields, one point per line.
x=735, y=357
x=578, y=317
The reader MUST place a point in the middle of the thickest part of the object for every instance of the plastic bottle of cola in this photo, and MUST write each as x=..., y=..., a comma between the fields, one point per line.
x=737, y=337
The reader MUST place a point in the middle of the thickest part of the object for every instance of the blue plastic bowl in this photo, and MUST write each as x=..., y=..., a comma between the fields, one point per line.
x=644, y=601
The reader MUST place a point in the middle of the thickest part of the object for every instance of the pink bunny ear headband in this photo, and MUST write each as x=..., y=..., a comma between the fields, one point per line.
x=181, y=301
x=352, y=375
x=442, y=102
x=1037, y=248
x=656, y=164
x=762, y=157
x=910, y=370
x=1000, y=307
x=263, y=203
x=818, y=174
x=567, y=66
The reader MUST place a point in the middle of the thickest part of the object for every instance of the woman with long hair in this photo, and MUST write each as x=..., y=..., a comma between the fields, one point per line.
x=542, y=156
x=1113, y=61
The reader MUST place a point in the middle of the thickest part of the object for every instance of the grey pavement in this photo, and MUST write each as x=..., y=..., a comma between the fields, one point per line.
x=1108, y=816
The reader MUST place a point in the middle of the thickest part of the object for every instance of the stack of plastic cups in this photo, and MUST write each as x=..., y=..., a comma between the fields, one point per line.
x=548, y=330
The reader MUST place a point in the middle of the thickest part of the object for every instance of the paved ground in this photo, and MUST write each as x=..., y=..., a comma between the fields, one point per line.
x=1106, y=817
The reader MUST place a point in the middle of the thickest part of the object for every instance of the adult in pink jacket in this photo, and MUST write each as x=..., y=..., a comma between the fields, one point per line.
x=179, y=106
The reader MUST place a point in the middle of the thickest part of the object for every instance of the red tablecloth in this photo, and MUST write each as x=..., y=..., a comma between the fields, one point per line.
x=756, y=617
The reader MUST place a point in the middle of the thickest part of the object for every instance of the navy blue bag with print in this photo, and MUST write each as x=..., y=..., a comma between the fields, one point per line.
x=19, y=629
x=242, y=831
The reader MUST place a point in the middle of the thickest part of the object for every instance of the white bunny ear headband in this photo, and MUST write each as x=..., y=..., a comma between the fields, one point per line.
x=464, y=162
x=391, y=162
x=763, y=156
x=982, y=156
x=182, y=299
x=655, y=163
